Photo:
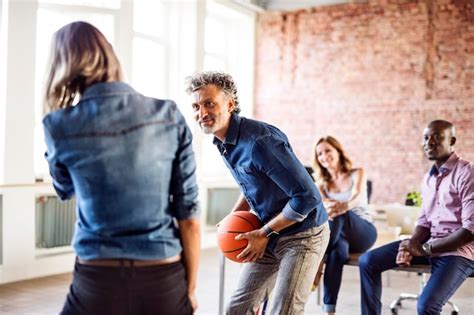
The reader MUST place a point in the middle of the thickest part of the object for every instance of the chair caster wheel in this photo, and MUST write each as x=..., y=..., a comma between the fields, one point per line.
x=394, y=311
x=454, y=313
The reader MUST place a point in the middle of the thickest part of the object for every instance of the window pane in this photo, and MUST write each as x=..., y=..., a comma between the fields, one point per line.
x=49, y=21
x=216, y=36
x=148, y=17
x=213, y=63
x=149, y=68
x=109, y=4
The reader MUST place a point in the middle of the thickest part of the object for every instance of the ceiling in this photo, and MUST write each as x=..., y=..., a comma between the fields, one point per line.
x=288, y=5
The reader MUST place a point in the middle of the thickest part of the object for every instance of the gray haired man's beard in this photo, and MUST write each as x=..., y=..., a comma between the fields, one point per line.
x=206, y=130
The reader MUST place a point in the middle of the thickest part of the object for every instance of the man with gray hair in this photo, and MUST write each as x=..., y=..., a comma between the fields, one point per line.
x=284, y=254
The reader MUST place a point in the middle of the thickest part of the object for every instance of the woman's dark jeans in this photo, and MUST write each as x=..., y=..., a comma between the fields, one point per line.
x=349, y=234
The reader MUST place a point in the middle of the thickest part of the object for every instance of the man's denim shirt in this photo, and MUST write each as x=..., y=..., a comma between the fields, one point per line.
x=270, y=176
x=129, y=160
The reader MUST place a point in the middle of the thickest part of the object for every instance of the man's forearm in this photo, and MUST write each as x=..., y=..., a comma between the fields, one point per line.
x=420, y=235
x=190, y=231
x=279, y=223
x=241, y=204
x=452, y=241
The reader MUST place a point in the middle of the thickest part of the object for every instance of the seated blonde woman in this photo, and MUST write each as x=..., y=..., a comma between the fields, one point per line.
x=344, y=191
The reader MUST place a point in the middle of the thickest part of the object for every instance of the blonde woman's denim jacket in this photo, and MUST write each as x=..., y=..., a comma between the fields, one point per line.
x=129, y=161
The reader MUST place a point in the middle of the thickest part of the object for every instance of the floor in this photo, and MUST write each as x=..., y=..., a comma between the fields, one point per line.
x=45, y=296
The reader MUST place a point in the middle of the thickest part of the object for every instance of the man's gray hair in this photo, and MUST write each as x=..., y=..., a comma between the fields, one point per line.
x=220, y=79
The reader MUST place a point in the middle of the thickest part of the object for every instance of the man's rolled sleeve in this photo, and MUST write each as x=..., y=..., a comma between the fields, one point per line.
x=292, y=215
x=184, y=189
x=422, y=221
x=466, y=194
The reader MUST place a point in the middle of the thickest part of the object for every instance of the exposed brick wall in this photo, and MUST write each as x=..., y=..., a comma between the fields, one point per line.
x=372, y=75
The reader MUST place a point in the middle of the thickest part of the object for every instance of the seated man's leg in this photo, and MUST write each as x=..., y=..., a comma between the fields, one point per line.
x=371, y=266
x=448, y=273
x=255, y=281
x=300, y=256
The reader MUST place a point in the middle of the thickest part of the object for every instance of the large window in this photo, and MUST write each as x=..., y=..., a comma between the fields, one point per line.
x=148, y=39
x=228, y=47
x=50, y=17
x=100, y=4
x=150, y=48
x=159, y=43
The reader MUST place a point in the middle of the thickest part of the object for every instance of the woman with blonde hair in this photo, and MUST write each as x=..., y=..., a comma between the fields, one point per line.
x=344, y=192
x=128, y=159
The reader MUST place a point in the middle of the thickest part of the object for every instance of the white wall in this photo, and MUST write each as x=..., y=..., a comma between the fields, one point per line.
x=3, y=76
x=17, y=166
x=21, y=258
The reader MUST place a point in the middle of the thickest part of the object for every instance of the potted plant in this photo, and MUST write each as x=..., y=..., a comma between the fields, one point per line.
x=413, y=198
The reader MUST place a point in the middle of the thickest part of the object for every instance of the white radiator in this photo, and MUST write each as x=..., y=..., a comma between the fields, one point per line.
x=54, y=221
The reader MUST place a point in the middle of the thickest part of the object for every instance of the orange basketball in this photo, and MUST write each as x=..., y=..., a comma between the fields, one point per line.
x=232, y=225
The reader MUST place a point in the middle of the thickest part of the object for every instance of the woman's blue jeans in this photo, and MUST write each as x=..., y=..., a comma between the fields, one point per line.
x=447, y=275
x=349, y=234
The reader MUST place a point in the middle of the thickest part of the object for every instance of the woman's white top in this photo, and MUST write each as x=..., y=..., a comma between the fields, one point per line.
x=362, y=209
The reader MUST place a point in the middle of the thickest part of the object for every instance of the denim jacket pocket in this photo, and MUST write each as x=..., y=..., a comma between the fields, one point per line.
x=247, y=177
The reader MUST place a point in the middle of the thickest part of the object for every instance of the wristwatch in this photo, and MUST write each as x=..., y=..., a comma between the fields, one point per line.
x=426, y=248
x=269, y=232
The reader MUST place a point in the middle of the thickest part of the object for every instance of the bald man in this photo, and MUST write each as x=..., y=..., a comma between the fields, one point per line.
x=443, y=236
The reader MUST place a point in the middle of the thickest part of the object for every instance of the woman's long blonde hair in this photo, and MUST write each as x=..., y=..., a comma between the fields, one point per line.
x=80, y=56
x=322, y=176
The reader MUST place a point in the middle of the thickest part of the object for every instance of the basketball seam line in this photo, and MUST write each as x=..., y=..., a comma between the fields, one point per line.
x=245, y=220
x=234, y=250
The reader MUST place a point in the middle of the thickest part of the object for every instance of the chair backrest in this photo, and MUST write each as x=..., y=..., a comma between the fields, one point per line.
x=369, y=190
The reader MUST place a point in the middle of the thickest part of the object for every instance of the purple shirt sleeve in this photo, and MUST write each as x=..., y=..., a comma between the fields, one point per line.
x=422, y=219
x=466, y=194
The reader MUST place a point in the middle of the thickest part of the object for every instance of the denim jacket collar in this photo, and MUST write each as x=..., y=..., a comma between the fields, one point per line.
x=107, y=89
